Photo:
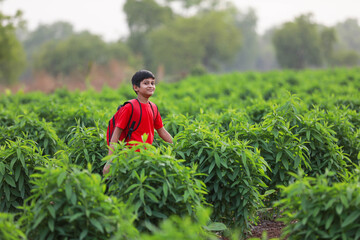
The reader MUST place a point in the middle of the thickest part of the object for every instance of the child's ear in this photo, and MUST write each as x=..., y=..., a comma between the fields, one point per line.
x=136, y=88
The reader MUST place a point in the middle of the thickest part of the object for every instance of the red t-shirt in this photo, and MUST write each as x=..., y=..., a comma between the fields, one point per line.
x=147, y=123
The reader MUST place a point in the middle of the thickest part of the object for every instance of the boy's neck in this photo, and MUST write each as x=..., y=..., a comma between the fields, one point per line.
x=142, y=99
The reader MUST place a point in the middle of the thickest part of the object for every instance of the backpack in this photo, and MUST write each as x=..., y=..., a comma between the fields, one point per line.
x=134, y=120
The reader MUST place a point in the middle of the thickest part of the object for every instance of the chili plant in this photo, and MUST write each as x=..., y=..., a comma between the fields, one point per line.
x=314, y=208
x=41, y=132
x=87, y=145
x=156, y=183
x=233, y=172
x=18, y=161
x=69, y=203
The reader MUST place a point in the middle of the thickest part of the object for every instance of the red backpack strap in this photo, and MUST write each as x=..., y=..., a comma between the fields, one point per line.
x=154, y=109
x=111, y=125
x=135, y=117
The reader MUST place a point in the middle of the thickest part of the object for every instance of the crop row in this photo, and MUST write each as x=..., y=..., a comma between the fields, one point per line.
x=243, y=143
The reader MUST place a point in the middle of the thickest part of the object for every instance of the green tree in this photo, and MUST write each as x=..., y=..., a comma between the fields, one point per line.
x=297, y=43
x=12, y=56
x=77, y=53
x=45, y=33
x=348, y=34
x=207, y=39
x=266, y=59
x=142, y=17
x=346, y=58
x=198, y=5
x=247, y=56
x=328, y=40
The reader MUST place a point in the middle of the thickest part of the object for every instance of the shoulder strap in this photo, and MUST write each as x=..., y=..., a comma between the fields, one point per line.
x=137, y=100
x=152, y=108
x=132, y=111
x=131, y=124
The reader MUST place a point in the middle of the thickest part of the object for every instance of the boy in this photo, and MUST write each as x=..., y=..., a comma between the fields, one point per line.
x=143, y=83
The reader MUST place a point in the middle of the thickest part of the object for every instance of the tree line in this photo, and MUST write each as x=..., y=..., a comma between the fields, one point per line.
x=179, y=37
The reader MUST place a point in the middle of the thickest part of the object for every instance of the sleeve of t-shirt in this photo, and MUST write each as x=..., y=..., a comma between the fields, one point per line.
x=158, y=122
x=123, y=116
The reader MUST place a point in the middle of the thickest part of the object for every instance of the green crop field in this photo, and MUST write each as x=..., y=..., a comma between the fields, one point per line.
x=246, y=146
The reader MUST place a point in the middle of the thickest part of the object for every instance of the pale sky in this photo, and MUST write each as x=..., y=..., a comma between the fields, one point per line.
x=105, y=17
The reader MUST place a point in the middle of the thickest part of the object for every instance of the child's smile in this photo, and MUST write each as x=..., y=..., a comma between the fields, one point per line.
x=147, y=87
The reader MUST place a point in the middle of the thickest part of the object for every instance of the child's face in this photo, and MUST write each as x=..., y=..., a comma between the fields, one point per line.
x=147, y=87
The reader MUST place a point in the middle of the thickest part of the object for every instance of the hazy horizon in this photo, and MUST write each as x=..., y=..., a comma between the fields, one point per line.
x=107, y=19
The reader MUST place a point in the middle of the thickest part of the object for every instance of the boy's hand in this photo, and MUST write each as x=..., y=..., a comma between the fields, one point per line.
x=164, y=135
x=106, y=169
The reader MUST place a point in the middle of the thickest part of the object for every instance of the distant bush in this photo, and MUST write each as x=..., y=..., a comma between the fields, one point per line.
x=154, y=182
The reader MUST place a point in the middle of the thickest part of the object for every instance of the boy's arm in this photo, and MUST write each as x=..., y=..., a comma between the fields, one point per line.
x=164, y=135
x=114, y=139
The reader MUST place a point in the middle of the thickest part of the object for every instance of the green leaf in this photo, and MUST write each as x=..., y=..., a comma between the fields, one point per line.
x=351, y=219
x=2, y=168
x=278, y=156
x=21, y=181
x=39, y=219
x=46, y=142
x=13, y=163
x=86, y=154
x=73, y=199
x=212, y=165
x=7, y=192
x=97, y=224
x=357, y=236
x=148, y=210
x=152, y=197
x=131, y=188
x=51, y=224
x=22, y=160
x=142, y=195
x=165, y=189
x=17, y=172
x=159, y=215
x=76, y=216
x=243, y=159
x=51, y=210
x=68, y=191
x=215, y=227
x=10, y=180
x=217, y=159
x=344, y=201
x=83, y=234
x=18, y=153
x=339, y=208
x=186, y=195
x=329, y=221
x=285, y=163
x=61, y=178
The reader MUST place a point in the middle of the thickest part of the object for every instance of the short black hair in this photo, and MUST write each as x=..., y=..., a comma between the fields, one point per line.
x=141, y=75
